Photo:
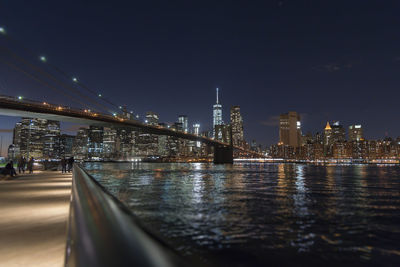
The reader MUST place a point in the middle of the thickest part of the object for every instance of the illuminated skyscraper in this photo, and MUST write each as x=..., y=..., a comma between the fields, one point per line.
x=95, y=142
x=237, y=126
x=184, y=120
x=38, y=138
x=151, y=118
x=338, y=132
x=355, y=133
x=81, y=142
x=66, y=145
x=17, y=133
x=327, y=134
x=217, y=114
x=196, y=129
x=290, y=129
x=223, y=133
x=51, y=139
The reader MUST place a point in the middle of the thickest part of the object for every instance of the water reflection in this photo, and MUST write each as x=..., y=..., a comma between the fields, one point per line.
x=258, y=214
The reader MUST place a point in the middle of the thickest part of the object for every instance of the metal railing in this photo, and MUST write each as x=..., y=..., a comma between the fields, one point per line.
x=103, y=232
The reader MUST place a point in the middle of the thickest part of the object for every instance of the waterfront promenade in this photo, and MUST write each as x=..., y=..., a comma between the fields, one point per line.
x=33, y=219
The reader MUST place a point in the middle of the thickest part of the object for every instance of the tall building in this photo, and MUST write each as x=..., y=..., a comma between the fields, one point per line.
x=81, y=142
x=217, y=114
x=66, y=145
x=290, y=129
x=223, y=133
x=51, y=140
x=109, y=143
x=338, y=132
x=17, y=133
x=327, y=134
x=38, y=138
x=237, y=126
x=196, y=131
x=95, y=142
x=151, y=118
x=328, y=139
x=196, y=128
x=184, y=120
x=355, y=133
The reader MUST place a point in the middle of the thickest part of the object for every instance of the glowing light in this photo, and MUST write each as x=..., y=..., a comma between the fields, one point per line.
x=43, y=59
x=100, y=95
x=114, y=114
x=20, y=97
x=44, y=103
x=2, y=30
x=120, y=107
x=137, y=116
x=74, y=79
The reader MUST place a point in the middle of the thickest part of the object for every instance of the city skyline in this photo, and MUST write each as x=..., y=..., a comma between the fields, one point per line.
x=42, y=139
x=256, y=66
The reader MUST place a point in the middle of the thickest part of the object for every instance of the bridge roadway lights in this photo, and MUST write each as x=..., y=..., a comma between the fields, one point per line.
x=223, y=154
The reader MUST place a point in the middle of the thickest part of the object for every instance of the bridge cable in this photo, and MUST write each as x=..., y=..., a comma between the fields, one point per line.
x=40, y=81
x=32, y=53
x=50, y=76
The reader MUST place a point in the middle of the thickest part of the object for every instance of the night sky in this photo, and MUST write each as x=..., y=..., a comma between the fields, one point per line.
x=327, y=60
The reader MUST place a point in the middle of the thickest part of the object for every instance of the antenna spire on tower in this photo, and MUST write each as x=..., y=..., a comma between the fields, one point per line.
x=217, y=96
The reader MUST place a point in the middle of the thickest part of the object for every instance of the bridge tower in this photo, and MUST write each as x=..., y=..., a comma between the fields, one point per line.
x=223, y=154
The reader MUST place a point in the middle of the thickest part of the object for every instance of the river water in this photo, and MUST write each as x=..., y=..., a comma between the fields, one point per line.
x=263, y=214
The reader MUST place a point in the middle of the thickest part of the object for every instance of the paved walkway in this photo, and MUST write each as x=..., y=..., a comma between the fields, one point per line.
x=33, y=219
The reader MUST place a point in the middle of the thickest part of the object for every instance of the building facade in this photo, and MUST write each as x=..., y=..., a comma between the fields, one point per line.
x=355, y=133
x=183, y=119
x=217, y=114
x=290, y=129
x=37, y=138
x=237, y=126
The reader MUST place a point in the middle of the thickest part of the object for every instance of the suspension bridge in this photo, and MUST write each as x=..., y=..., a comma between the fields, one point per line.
x=94, y=108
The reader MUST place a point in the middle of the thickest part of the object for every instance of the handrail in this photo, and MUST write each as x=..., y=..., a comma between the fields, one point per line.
x=103, y=232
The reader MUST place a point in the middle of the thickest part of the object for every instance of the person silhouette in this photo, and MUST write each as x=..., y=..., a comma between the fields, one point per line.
x=30, y=165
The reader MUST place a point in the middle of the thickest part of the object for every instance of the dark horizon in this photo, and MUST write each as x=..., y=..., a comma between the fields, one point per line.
x=331, y=61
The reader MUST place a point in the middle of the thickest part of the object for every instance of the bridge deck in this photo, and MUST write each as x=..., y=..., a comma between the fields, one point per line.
x=33, y=219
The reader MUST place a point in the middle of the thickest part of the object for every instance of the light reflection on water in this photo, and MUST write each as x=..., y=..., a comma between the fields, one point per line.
x=259, y=214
